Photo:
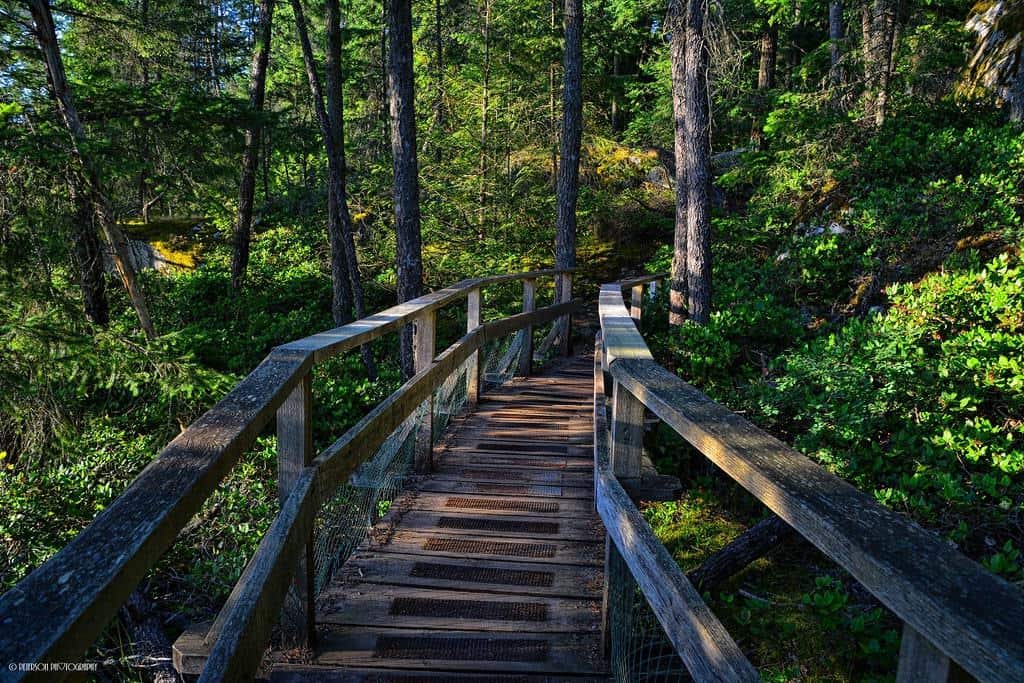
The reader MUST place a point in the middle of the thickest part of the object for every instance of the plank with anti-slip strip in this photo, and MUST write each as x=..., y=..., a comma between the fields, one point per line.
x=491, y=576
x=506, y=489
x=413, y=607
x=578, y=653
x=490, y=570
x=435, y=544
x=512, y=527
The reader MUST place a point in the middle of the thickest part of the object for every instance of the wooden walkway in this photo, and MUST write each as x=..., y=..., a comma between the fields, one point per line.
x=494, y=563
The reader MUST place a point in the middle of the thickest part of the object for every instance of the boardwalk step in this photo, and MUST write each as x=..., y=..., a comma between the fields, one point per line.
x=467, y=547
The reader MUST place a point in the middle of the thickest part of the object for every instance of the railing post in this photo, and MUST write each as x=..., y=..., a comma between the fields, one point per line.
x=294, y=453
x=529, y=305
x=473, y=363
x=564, y=289
x=636, y=303
x=627, y=433
x=423, y=339
x=922, y=662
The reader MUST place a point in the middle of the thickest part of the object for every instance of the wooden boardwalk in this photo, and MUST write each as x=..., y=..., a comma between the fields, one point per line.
x=493, y=564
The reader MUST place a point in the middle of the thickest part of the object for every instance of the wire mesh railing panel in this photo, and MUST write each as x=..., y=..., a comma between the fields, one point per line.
x=449, y=399
x=345, y=520
x=499, y=359
x=640, y=650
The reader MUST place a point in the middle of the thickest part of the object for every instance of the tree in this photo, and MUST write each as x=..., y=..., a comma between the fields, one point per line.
x=247, y=186
x=85, y=177
x=835, y=37
x=697, y=163
x=406, y=187
x=676, y=25
x=997, y=60
x=572, y=134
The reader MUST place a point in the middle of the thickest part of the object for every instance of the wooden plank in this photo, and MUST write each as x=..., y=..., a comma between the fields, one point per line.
x=447, y=472
x=306, y=673
x=382, y=605
x=586, y=529
x=506, y=488
x=627, y=433
x=252, y=609
x=56, y=613
x=473, y=301
x=620, y=336
x=529, y=304
x=294, y=454
x=484, y=504
x=922, y=662
x=636, y=302
x=423, y=352
x=971, y=614
x=577, y=653
x=456, y=457
x=464, y=547
x=707, y=649
x=564, y=286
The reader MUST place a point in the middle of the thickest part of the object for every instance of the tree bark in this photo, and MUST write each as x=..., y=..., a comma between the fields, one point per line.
x=572, y=135
x=752, y=544
x=768, y=58
x=879, y=27
x=485, y=113
x=439, y=78
x=697, y=163
x=678, y=296
x=406, y=190
x=88, y=257
x=835, y=36
x=552, y=103
x=250, y=155
x=87, y=180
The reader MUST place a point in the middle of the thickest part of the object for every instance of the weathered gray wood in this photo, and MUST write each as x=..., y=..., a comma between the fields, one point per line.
x=424, y=339
x=370, y=604
x=621, y=339
x=57, y=612
x=244, y=623
x=627, y=433
x=922, y=662
x=577, y=553
x=972, y=614
x=529, y=304
x=707, y=649
x=585, y=529
x=752, y=544
x=701, y=641
x=636, y=303
x=294, y=453
x=473, y=301
x=303, y=673
x=631, y=282
x=567, y=652
x=565, y=323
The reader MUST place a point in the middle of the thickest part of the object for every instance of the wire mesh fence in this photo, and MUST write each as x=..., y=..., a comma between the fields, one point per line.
x=640, y=651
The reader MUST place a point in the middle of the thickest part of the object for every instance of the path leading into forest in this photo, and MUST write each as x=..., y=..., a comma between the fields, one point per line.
x=492, y=564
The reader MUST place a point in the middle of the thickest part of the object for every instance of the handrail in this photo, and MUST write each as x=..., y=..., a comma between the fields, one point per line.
x=707, y=649
x=961, y=612
x=243, y=625
x=57, y=611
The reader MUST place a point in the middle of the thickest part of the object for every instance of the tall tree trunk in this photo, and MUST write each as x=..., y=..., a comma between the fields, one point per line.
x=348, y=285
x=485, y=113
x=88, y=257
x=616, y=115
x=406, y=168
x=769, y=55
x=677, y=310
x=250, y=155
x=552, y=102
x=572, y=136
x=879, y=28
x=697, y=161
x=439, y=81
x=339, y=227
x=88, y=182
x=835, y=37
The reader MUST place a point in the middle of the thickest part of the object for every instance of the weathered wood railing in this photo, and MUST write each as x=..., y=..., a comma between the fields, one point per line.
x=57, y=612
x=957, y=616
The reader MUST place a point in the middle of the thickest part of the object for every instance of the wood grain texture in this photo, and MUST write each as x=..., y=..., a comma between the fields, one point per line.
x=424, y=343
x=473, y=304
x=627, y=433
x=707, y=649
x=967, y=612
x=529, y=305
x=621, y=339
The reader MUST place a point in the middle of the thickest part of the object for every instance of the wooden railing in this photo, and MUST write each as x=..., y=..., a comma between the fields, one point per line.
x=957, y=616
x=57, y=612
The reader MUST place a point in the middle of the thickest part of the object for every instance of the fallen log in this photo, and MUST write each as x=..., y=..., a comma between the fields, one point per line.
x=749, y=546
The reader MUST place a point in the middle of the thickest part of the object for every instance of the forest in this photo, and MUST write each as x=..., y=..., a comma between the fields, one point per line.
x=836, y=188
